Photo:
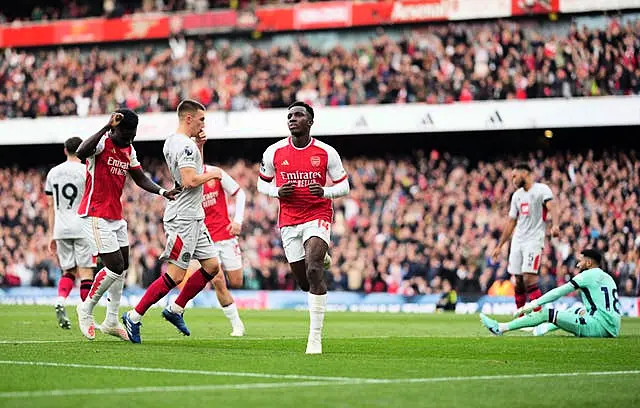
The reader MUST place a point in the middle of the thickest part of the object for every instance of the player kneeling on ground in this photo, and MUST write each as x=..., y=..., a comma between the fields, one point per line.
x=599, y=318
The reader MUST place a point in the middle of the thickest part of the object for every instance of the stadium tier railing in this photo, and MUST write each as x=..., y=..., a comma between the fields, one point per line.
x=355, y=120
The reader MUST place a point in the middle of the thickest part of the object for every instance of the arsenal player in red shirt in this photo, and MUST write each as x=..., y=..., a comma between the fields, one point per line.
x=296, y=170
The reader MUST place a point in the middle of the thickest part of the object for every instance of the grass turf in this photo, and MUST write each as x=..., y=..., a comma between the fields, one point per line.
x=369, y=360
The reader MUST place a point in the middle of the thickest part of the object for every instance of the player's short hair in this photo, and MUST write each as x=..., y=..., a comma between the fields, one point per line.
x=594, y=254
x=522, y=166
x=189, y=106
x=71, y=144
x=129, y=120
x=306, y=106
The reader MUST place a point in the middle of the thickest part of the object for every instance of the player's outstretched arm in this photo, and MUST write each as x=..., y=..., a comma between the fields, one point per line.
x=88, y=147
x=191, y=179
x=149, y=185
x=548, y=297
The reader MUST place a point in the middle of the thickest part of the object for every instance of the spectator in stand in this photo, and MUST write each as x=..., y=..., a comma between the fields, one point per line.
x=449, y=298
x=437, y=64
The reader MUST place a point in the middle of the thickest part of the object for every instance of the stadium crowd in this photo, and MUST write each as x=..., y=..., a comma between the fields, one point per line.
x=413, y=225
x=437, y=64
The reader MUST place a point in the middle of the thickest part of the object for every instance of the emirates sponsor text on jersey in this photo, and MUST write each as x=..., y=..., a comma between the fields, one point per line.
x=302, y=178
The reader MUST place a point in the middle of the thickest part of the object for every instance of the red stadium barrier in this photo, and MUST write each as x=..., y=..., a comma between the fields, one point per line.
x=303, y=16
x=91, y=30
x=526, y=7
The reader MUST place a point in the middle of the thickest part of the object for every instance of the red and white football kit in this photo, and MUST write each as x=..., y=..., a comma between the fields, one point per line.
x=302, y=215
x=217, y=218
x=101, y=205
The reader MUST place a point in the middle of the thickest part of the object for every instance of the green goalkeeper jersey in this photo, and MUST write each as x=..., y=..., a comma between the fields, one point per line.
x=600, y=297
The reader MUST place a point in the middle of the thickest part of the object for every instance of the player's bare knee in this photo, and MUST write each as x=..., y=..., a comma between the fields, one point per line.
x=235, y=279
x=85, y=273
x=210, y=266
x=176, y=273
x=219, y=282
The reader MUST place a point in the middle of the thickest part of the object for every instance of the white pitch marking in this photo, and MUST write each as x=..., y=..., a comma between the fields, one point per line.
x=180, y=371
x=179, y=388
x=355, y=381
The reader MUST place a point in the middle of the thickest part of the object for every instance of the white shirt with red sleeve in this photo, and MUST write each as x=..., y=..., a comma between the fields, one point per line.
x=107, y=171
x=315, y=163
x=215, y=205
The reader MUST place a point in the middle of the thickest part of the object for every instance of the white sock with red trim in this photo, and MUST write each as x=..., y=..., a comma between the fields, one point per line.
x=103, y=281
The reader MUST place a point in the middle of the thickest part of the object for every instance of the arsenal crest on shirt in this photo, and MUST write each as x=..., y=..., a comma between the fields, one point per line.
x=315, y=161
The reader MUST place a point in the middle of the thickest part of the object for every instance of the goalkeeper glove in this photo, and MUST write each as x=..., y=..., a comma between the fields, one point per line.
x=526, y=309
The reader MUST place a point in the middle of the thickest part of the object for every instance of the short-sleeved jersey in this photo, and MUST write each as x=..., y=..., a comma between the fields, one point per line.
x=65, y=183
x=215, y=204
x=182, y=152
x=284, y=162
x=528, y=207
x=107, y=171
x=600, y=297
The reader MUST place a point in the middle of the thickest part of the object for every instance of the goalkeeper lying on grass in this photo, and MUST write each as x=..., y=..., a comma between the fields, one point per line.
x=600, y=317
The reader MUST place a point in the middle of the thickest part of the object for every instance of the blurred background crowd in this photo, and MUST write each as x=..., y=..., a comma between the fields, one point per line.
x=411, y=225
x=435, y=65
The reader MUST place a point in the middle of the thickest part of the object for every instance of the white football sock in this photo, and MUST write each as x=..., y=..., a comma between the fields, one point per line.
x=134, y=316
x=104, y=279
x=317, y=306
x=60, y=301
x=175, y=308
x=113, y=298
x=231, y=312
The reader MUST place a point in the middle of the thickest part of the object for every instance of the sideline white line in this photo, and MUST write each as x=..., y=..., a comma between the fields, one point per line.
x=212, y=387
x=180, y=371
x=227, y=338
x=178, y=388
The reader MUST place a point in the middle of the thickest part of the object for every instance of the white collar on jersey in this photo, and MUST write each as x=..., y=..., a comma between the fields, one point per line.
x=300, y=148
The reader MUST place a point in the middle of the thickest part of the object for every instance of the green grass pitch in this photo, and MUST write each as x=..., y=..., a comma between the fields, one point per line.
x=369, y=360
